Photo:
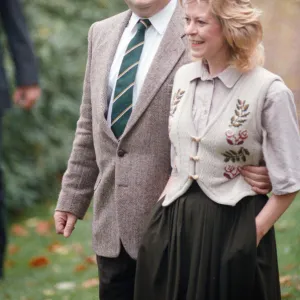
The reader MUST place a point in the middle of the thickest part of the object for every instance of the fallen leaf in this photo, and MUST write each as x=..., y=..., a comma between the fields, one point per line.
x=286, y=295
x=54, y=246
x=65, y=285
x=13, y=249
x=19, y=230
x=91, y=260
x=80, y=268
x=93, y=282
x=9, y=263
x=39, y=261
x=77, y=248
x=43, y=228
x=289, y=267
x=285, y=279
x=31, y=222
x=58, y=248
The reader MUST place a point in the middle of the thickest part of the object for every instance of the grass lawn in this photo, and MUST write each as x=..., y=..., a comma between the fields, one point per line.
x=43, y=266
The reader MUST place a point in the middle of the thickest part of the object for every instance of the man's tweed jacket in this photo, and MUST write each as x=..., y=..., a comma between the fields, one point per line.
x=126, y=177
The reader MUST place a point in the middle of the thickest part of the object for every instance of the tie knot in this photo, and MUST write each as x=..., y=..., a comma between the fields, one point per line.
x=143, y=24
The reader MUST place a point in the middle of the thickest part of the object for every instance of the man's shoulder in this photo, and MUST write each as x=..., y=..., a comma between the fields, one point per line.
x=111, y=21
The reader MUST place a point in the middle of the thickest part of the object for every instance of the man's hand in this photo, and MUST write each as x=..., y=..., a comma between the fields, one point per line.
x=64, y=223
x=258, y=178
x=26, y=96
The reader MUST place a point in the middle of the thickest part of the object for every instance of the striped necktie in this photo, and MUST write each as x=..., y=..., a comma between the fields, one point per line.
x=122, y=102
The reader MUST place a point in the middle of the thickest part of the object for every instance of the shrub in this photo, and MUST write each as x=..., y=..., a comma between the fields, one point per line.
x=37, y=143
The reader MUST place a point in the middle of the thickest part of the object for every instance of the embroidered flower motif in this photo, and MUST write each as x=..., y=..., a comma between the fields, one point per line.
x=176, y=99
x=231, y=171
x=236, y=156
x=241, y=114
x=236, y=139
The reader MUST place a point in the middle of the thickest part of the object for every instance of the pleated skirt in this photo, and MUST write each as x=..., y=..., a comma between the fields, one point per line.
x=197, y=249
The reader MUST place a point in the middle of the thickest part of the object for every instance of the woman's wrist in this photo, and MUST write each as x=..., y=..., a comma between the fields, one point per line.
x=261, y=229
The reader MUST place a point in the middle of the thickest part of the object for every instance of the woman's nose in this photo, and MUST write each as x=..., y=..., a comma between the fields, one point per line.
x=190, y=28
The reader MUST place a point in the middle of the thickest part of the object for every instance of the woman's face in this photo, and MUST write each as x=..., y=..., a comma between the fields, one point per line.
x=204, y=32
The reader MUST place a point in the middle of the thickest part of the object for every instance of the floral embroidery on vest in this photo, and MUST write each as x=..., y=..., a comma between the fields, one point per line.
x=236, y=156
x=231, y=171
x=176, y=99
x=236, y=138
x=241, y=114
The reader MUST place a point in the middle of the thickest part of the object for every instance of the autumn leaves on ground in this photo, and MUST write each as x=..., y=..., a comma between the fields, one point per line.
x=43, y=266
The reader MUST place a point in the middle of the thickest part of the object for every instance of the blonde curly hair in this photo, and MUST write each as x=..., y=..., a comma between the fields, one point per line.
x=242, y=30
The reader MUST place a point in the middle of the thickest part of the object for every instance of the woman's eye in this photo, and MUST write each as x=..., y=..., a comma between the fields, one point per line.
x=201, y=22
x=187, y=20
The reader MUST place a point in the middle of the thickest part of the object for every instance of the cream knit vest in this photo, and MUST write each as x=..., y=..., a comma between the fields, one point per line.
x=233, y=138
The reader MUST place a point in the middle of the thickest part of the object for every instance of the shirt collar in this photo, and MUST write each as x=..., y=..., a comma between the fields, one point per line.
x=159, y=21
x=229, y=76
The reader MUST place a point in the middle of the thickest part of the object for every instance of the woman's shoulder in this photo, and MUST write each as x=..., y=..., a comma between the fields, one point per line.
x=264, y=75
x=187, y=71
x=277, y=85
x=275, y=88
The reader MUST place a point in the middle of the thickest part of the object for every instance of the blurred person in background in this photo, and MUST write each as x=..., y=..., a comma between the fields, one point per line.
x=26, y=80
x=121, y=151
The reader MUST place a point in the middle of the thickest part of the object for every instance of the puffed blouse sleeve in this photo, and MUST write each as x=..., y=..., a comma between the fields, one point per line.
x=281, y=140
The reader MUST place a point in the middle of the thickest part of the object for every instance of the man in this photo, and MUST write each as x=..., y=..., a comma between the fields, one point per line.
x=27, y=91
x=125, y=164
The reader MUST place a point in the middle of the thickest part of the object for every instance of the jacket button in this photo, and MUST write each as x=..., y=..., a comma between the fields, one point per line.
x=121, y=153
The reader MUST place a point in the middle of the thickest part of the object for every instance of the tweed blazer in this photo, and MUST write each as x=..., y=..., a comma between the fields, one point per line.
x=125, y=176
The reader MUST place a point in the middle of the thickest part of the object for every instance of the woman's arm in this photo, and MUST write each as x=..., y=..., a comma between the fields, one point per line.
x=173, y=173
x=271, y=212
x=280, y=143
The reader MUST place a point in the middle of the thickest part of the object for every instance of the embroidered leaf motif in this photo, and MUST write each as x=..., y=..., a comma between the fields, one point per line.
x=176, y=99
x=241, y=114
x=234, y=156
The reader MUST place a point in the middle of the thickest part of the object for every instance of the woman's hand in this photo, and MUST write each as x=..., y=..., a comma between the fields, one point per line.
x=271, y=212
x=258, y=178
x=259, y=233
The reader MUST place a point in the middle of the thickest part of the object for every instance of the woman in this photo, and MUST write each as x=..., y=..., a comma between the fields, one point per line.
x=210, y=237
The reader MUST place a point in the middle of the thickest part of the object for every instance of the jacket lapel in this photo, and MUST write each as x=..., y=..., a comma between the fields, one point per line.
x=170, y=50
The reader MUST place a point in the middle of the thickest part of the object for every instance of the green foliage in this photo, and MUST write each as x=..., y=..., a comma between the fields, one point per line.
x=37, y=143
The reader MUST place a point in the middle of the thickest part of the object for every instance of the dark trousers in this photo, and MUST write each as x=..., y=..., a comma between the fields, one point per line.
x=116, y=276
x=3, y=237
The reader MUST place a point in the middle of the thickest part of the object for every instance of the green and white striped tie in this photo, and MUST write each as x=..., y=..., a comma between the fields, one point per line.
x=122, y=102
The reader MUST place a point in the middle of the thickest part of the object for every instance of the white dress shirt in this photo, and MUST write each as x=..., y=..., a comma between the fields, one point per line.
x=153, y=37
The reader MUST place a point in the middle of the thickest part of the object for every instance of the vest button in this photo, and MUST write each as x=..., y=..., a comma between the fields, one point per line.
x=195, y=158
x=121, y=152
x=194, y=177
x=196, y=139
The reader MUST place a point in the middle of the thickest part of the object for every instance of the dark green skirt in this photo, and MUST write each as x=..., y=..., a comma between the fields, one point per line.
x=196, y=249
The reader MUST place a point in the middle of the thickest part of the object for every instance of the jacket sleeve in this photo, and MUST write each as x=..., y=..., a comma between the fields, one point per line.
x=80, y=177
x=20, y=45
